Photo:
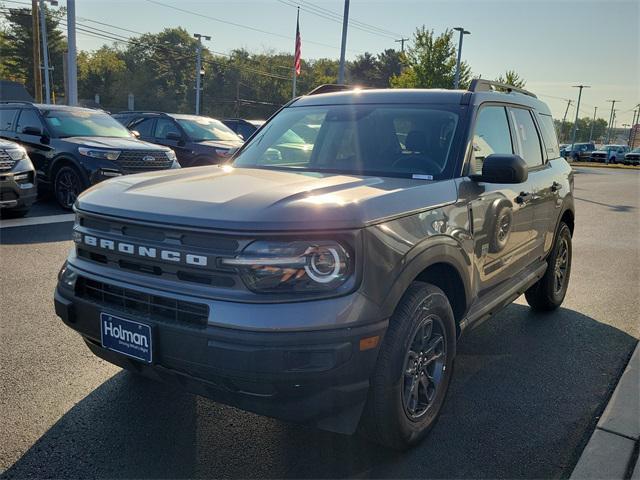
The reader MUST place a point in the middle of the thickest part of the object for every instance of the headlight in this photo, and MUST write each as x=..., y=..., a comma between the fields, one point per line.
x=171, y=155
x=300, y=266
x=96, y=153
x=17, y=153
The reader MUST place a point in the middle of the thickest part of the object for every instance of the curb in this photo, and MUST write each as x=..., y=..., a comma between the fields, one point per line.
x=615, y=166
x=612, y=449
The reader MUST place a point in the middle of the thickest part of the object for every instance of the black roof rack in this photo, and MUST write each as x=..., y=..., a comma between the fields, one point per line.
x=481, y=85
x=330, y=88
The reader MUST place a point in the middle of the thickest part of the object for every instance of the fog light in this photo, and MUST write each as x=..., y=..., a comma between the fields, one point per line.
x=21, y=177
x=110, y=173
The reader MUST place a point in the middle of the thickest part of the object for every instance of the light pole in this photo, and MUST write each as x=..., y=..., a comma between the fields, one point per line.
x=575, y=123
x=72, y=67
x=199, y=68
x=593, y=122
x=343, y=46
x=613, y=103
x=463, y=32
x=45, y=48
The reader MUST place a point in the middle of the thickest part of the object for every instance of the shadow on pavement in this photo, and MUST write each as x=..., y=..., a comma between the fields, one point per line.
x=524, y=398
x=615, y=208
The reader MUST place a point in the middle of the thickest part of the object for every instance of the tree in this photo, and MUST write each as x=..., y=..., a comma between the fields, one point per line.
x=17, y=42
x=510, y=77
x=431, y=62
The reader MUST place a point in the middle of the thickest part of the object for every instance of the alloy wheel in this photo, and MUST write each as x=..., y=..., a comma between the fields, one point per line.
x=561, y=266
x=424, y=367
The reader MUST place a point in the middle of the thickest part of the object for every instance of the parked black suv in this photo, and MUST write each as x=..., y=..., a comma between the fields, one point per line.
x=242, y=127
x=73, y=148
x=328, y=285
x=579, y=151
x=18, y=188
x=197, y=140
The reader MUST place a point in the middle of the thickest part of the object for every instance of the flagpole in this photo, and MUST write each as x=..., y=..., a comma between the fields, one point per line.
x=295, y=48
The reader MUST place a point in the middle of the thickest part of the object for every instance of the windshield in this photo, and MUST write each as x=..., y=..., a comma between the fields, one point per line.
x=202, y=129
x=393, y=140
x=636, y=150
x=83, y=123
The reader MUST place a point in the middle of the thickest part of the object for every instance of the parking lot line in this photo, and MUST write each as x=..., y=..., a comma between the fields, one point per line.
x=25, y=222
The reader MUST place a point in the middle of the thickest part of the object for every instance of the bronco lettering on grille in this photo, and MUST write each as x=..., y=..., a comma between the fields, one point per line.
x=145, y=251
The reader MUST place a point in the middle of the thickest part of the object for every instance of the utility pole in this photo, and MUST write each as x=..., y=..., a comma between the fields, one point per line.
x=238, y=98
x=199, y=71
x=401, y=42
x=613, y=103
x=343, y=46
x=296, y=55
x=72, y=66
x=37, y=73
x=575, y=123
x=463, y=32
x=632, y=133
x=564, y=118
x=45, y=50
x=593, y=122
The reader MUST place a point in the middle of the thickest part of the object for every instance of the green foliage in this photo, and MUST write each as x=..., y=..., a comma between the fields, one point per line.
x=584, y=130
x=510, y=77
x=431, y=62
x=16, y=40
x=375, y=70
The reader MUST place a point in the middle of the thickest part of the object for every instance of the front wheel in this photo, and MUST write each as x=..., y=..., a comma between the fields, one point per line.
x=548, y=293
x=68, y=184
x=414, y=369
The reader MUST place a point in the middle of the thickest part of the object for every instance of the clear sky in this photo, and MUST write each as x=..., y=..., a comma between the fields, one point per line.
x=552, y=44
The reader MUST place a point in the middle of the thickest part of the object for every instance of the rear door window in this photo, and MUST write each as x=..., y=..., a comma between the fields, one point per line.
x=527, y=139
x=144, y=127
x=164, y=127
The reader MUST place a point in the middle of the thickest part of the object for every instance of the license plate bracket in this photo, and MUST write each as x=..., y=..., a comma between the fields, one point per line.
x=127, y=337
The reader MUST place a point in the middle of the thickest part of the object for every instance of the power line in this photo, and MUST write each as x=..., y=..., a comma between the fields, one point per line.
x=239, y=25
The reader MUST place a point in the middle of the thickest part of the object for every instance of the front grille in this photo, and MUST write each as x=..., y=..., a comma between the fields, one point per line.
x=213, y=246
x=8, y=195
x=133, y=161
x=140, y=304
x=6, y=163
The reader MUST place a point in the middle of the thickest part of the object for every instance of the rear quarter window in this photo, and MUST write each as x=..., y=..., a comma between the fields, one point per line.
x=549, y=136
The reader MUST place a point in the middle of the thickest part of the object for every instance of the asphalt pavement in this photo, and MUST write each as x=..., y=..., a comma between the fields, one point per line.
x=526, y=395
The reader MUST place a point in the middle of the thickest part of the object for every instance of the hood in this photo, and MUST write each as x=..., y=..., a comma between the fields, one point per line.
x=124, y=143
x=258, y=199
x=226, y=144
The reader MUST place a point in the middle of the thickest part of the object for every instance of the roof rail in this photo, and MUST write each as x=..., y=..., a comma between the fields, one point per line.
x=482, y=85
x=330, y=88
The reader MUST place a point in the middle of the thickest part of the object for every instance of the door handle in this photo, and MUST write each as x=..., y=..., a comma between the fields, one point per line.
x=555, y=186
x=523, y=198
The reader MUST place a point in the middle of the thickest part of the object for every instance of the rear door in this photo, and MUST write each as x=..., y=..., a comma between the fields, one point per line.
x=501, y=213
x=7, y=117
x=529, y=146
x=144, y=126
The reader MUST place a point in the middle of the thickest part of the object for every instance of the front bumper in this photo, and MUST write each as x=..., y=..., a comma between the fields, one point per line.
x=20, y=193
x=318, y=378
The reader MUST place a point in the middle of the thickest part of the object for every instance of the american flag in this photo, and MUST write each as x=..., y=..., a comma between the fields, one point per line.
x=298, y=55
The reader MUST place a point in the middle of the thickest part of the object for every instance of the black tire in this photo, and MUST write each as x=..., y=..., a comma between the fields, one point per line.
x=67, y=185
x=548, y=293
x=387, y=418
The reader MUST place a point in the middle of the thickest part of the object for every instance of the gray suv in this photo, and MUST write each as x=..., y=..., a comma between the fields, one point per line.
x=328, y=285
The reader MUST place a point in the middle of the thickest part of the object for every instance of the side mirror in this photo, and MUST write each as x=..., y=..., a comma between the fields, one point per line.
x=503, y=168
x=32, y=131
x=174, y=136
x=135, y=133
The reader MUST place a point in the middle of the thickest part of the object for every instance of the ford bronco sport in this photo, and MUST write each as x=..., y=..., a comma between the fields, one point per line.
x=329, y=285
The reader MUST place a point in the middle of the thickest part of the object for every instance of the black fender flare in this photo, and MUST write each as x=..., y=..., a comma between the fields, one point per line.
x=62, y=158
x=432, y=251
